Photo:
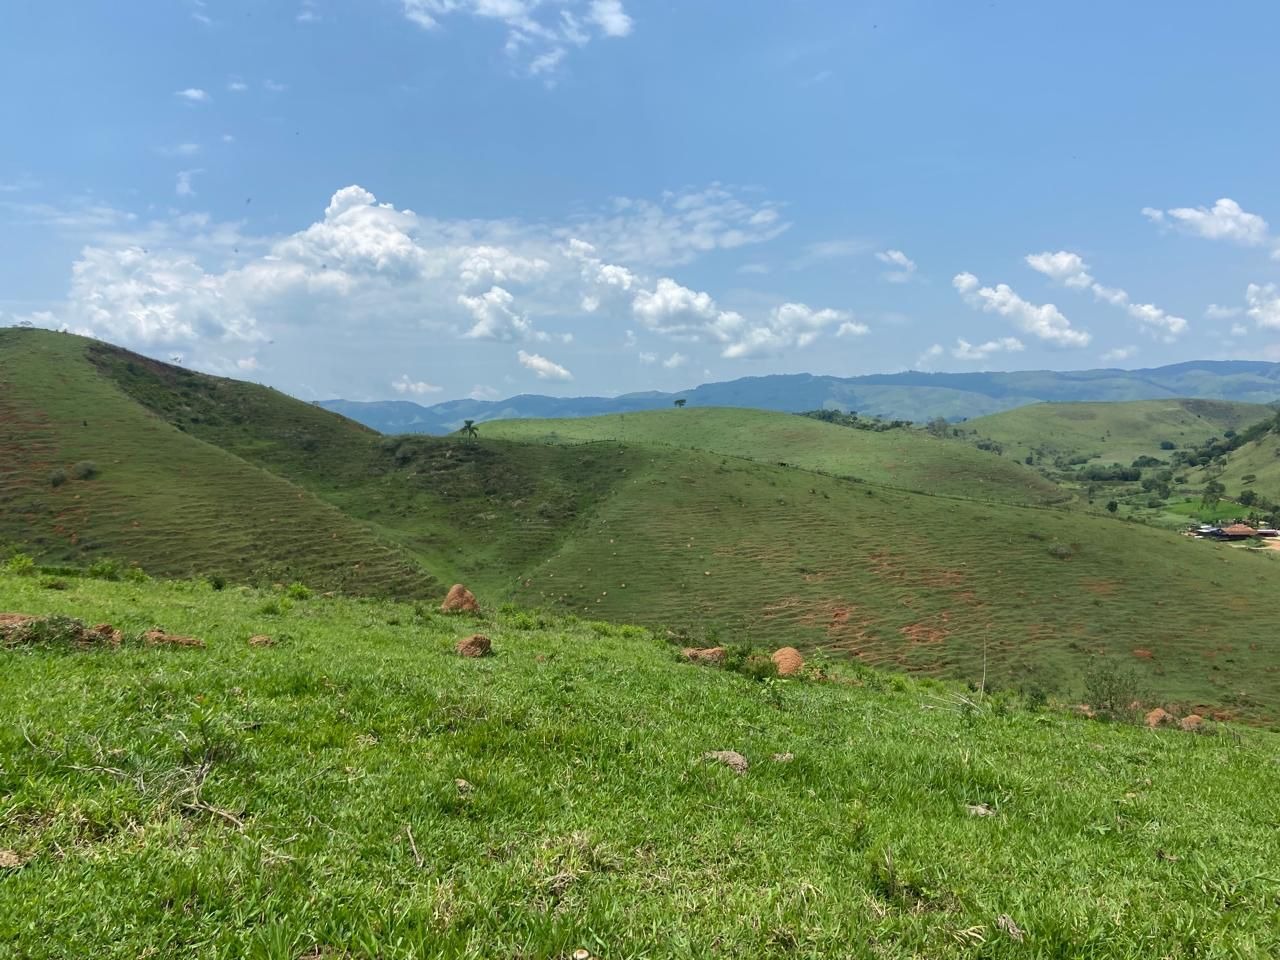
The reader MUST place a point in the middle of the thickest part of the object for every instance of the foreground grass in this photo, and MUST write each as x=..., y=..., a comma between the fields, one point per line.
x=304, y=800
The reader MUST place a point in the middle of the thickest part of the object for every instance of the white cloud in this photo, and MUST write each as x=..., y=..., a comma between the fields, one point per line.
x=647, y=357
x=1070, y=270
x=1118, y=354
x=271, y=86
x=1263, y=305
x=416, y=388
x=183, y=187
x=852, y=328
x=903, y=265
x=609, y=16
x=495, y=317
x=1239, y=330
x=1216, y=312
x=680, y=228
x=544, y=369
x=236, y=85
x=964, y=350
x=925, y=360
x=1225, y=220
x=193, y=95
x=1044, y=321
x=675, y=360
x=307, y=13
x=247, y=363
x=789, y=325
x=539, y=35
x=483, y=392
x=181, y=150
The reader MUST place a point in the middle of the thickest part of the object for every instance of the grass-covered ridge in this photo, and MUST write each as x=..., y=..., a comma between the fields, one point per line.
x=909, y=459
x=1113, y=432
x=357, y=790
x=156, y=494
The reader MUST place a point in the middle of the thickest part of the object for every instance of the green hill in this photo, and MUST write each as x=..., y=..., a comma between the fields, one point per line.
x=1113, y=432
x=160, y=497
x=203, y=475
x=909, y=459
x=358, y=790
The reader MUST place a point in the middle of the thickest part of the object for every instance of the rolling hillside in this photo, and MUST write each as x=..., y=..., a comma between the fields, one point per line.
x=907, y=459
x=352, y=788
x=160, y=497
x=1113, y=432
x=911, y=395
x=202, y=475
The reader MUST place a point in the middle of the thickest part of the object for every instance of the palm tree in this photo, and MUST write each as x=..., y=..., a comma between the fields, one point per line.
x=469, y=429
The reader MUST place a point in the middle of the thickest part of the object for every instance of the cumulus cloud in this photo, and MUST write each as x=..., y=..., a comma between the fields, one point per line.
x=1225, y=220
x=675, y=360
x=1041, y=320
x=925, y=360
x=495, y=317
x=416, y=388
x=236, y=85
x=903, y=266
x=193, y=95
x=852, y=328
x=964, y=350
x=1263, y=305
x=543, y=368
x=1070, y=270
x=1118, y=354
x=188, y=282
x=539, y=36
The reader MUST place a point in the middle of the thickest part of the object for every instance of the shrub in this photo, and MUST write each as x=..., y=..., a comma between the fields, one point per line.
x=298, y=591
x=85, y=470
x=106, y=569
x=20, y=564
x=217, y=582
x=135, y=575
x=1060, y=551
x=57, y=477
x=1112, y=690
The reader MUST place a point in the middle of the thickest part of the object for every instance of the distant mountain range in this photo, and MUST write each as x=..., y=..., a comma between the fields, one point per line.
x=905, y=396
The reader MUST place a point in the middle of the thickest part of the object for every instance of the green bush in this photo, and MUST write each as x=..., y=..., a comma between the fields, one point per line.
x=106, y=569
x=135, y=575
x=217, y=582
x=298, y=591
x=20, y=564
x=57, y=477
x=85, y=470
x=1111, y=690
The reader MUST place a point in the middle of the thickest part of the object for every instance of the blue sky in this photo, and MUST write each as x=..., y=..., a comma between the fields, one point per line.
x=429, y=199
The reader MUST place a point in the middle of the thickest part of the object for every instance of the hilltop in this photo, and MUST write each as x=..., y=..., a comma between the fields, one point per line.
x=911, y=395
x=1114, y=432
x=86, y=473
x=348, y=786
x=905, y=458
x=200, y=475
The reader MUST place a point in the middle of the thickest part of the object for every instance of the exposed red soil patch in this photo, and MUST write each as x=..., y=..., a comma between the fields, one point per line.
x=711, y=656
x=160, y=638
x=476, y=645
x=23, y=629
x=261, y=640
x=788, y=661
x=1191, y=723
x=1100, y=588
x=1159, y=717
x=1143, y=654
x=924, y=633
x=460, y=600
x=730, y=758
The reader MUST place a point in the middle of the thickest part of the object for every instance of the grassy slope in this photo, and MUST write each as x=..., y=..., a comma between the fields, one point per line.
x=479, y=512
x=164, y=499
x=590, y=821
x=1260, y=458
x=907, y=459
x=738, y=551
x=1114, y=432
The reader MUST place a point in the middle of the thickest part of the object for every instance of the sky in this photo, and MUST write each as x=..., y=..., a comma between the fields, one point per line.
x=435, y=199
